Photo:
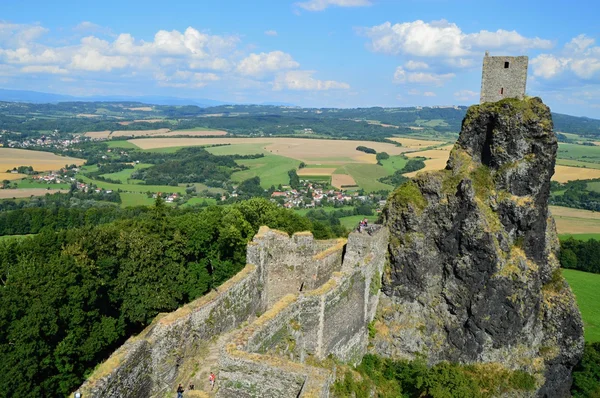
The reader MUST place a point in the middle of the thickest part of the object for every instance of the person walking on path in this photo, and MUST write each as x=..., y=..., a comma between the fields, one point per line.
x=212, y=379
x=180, y=391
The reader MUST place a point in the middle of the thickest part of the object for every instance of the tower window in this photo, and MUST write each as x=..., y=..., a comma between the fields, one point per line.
x=506, y=65
x=502, y=91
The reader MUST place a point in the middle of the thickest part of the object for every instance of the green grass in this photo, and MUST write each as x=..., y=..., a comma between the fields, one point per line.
x=197, y=201
x=8, y=237
x=366, y=176
x=316, y=178
x=122, y=144
x=239, y=149
x=170, y=149
x=129, y=199
x=585, y=286
x=125, y=174
x=351, y=222
x=131, y=187
x=594, y=186
x=582, y=153
x=272, y=170
x=303, y=212
x=577, y=163
x=583, y=237
x=174, y=132
x=27, y=183
x=394, y=163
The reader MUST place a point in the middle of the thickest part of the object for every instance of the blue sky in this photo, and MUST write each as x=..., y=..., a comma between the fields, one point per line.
x=322, y=53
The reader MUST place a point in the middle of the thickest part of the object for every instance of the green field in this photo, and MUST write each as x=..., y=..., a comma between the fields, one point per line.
x=272, y=170
x=122, y=144
x=394, y=163
x=351, y=222
x=131, y=187
x=125, y=174
x=585, y=286
x=129, y=199
x=366, y=176
x=303, y=212
x=240, y=149
x=8, y=237
x=577, y=163
x=583, y=237
x=582, y=153
x=594, y=186
x=27, y=183
x=197, y=201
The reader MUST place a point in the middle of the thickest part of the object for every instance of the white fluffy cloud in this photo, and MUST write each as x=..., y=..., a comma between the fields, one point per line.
x=415, y=65
x=188, y=59
x=320, y=5
x=444, y=39
x=260, y=64
x=466, y=95
x=579, y=58
x=304, y=80
x=438, y=79
x=271, y=32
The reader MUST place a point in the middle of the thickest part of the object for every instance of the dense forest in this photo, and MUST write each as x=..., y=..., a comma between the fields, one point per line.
x=70, y=297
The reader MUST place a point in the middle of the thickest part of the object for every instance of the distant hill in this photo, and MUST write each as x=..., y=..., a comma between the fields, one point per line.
x=39, y=97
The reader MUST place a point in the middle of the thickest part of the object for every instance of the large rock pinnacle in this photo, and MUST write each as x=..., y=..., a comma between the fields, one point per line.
x=473, y=274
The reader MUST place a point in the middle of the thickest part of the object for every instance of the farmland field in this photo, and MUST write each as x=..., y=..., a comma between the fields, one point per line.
x=342, y=180
x=138, y=133
x=575, y=221
x=40, y=161
x=437, y=159
x=198, y=201
x=394, y=163
x=317, y=151
x=272, y=170
x=366, y=176
x=11, y=176
x=27, y=183
x=585, y=286
x=579, y=152
x=130, y=187
x=239, y=149
x=583, y=237
x=577, y=163
x=412, y=143
x=316, y=171
x=125, y=174
x=129, y=199
x=121, y=144
x=98, y=134
x=27, y=192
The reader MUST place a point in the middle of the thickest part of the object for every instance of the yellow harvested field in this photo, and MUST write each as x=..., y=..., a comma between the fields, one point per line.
x=341, y=180
x=98, y=134
x=193, y=133
x=437, y=159
x=138, y=133
x=569, y=173
x=318, y=151
x=142, y=108
x=27, y=192
x=413, y=143
x=40, y=161
x=575, y=221
x=11, y=176
x=316, y=171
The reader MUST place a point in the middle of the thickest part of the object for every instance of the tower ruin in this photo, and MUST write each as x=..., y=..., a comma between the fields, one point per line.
x=503, y=77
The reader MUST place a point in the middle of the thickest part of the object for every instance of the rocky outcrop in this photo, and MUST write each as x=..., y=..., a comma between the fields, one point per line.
x=473, y=274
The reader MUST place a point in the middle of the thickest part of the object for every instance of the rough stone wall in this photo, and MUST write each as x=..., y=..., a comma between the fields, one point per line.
x=474, y=275
x=151, y=364
x=307, y=327
x=499, y=82
x=293, y=264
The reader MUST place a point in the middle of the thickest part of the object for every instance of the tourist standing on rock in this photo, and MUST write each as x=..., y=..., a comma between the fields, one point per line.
x=180, y=391
x=211, y=379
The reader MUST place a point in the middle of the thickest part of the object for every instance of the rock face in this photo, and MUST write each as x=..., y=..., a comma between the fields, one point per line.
x=473, y=273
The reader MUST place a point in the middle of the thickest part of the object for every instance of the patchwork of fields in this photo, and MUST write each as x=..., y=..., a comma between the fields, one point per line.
x=40, y=161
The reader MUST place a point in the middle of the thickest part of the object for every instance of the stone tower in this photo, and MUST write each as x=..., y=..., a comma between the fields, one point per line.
x=503, y=77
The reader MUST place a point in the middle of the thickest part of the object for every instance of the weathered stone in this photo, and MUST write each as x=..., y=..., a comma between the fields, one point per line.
x=473, y=275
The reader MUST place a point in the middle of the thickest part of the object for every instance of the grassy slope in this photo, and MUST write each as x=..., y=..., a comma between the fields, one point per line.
x=585, y=286
x=125, y=174
x=579, y=152
x=366, y=175
x=122, y=144
x=131, y=187
x=272, y=170
x=394, y=163
x=129, y=199
x=583, y=237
